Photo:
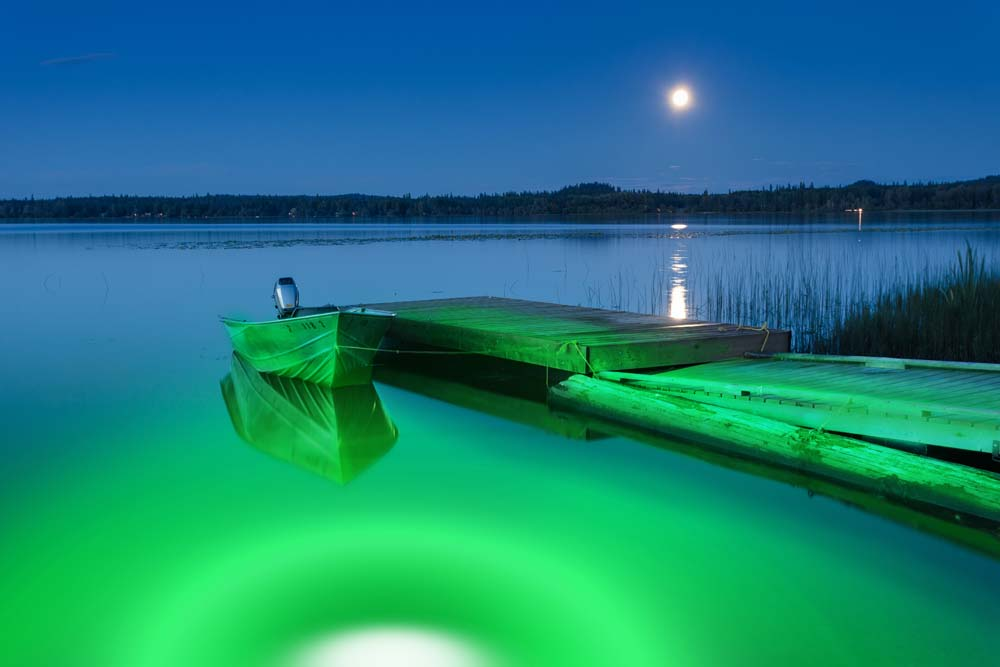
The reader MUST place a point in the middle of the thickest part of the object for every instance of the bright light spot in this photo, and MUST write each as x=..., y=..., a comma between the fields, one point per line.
x=678, y=302
x=680, y=98
x=678, y=291
x=678, y=226
x=391, y=647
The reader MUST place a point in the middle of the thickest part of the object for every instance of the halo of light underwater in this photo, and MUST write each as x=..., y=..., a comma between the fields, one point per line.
x=266, y=601
x=391, y=646
x=139, y=530
x=534, y=567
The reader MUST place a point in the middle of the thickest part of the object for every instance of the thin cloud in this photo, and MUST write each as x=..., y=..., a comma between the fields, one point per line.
x=684, y=188
x=663, y=182
x=626, y=181
x=77, y=60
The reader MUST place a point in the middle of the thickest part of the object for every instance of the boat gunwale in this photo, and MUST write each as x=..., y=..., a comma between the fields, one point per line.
x=352, y=310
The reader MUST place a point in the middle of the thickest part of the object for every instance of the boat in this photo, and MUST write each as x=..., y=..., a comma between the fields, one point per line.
x=332, y=346
x=336, y=433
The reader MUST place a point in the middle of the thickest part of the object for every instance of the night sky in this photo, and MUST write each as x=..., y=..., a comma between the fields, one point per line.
x=183, y=98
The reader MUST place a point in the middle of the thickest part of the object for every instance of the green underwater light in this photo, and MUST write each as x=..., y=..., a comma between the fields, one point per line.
x=265, y=602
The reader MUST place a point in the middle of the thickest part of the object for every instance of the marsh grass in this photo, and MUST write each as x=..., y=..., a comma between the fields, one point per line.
x=630, y=291
x=956, y=317
x=844, y=303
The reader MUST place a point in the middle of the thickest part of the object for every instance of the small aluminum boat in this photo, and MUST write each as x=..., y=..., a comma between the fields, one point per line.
x=330, y=346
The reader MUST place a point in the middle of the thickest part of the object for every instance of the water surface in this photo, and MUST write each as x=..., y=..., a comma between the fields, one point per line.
x=137, y=527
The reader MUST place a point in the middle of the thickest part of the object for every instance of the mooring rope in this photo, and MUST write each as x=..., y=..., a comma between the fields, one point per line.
x=392, y=351
x=576, y=346
x=762, y=327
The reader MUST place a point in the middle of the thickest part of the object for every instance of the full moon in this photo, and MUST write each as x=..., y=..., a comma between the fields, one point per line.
x=680, y=98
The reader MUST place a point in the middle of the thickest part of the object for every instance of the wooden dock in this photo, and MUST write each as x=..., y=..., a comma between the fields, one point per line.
x=517, y=394
x=570, y=338
x=906, y=403
x=965, y=529
x=900, y=475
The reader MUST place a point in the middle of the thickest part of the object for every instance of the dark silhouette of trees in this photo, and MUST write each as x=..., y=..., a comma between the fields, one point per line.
x=585, y=199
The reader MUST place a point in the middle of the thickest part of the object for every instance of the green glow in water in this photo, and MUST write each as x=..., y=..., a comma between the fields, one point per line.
x=545, y=551
x=138, y=529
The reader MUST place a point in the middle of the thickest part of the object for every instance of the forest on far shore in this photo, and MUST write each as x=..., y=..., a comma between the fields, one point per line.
x=585, y=199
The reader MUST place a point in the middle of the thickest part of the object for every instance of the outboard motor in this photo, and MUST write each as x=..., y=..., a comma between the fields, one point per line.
x=286, y=297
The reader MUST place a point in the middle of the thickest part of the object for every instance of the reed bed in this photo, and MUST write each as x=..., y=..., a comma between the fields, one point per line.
x=955, y=318
x=838, y=303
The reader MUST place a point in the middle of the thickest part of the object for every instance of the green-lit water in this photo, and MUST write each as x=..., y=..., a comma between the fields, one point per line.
x=138, y=529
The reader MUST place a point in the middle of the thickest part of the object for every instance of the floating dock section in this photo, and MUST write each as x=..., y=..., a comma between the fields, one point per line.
x=823, y=417
x=570, y=338
x=884, y=471
x=908, y=403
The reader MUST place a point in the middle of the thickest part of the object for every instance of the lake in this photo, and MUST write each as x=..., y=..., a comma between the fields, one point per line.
x=140, y=529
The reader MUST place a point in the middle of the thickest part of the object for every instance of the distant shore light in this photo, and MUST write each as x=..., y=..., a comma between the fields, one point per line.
x=680, y=98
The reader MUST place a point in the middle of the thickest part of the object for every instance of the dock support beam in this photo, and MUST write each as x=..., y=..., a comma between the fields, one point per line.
x=888, y=472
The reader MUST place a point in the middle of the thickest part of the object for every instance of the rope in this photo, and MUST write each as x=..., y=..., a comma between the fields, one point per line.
x=388, y=350
x=576, y=346
x=763, y=327
x=565, y=346
x=562, y=348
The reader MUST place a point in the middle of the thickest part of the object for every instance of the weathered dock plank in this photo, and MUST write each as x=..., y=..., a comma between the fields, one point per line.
x=920, y=404
x=570, y=338
x=885, y=471
x=967, y=530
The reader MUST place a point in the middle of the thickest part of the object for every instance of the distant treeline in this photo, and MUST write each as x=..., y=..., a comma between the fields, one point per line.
x=586, y=199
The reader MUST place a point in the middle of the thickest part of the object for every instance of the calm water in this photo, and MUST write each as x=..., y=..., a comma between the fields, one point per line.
x=138, y=529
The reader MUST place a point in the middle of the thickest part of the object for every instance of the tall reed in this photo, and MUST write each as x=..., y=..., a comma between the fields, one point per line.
x=956, y=317
x=839, y=304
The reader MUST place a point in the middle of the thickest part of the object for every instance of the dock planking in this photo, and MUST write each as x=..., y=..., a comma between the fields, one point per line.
x=899, y=475
x=919, y=403
x=570, y=338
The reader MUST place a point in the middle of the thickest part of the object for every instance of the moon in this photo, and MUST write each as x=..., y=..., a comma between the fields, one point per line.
x=680, y=98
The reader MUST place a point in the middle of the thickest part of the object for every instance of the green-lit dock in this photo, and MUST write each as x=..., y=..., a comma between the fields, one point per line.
x=910, y=403
x=732, y=389
x=570, y=338
x=826, y=416
x=899, y=475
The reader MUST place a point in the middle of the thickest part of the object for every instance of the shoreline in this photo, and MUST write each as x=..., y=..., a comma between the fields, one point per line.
x=553, y=218
x=582, y=201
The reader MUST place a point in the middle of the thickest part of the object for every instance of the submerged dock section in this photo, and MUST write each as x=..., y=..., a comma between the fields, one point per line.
x=909, y=403
x=729, y=388
x=571, y=338
x=888, y=472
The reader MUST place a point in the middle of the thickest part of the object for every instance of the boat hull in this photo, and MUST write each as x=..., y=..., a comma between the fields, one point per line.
x=332, y=349
x=336, y=433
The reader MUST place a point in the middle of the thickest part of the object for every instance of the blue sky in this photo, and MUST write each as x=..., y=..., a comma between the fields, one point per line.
x=179, y=98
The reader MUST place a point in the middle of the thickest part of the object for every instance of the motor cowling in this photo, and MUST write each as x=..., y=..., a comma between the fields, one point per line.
x=286, y=297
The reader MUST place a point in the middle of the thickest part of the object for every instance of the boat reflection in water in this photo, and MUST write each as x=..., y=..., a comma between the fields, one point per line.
x=336, y=433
